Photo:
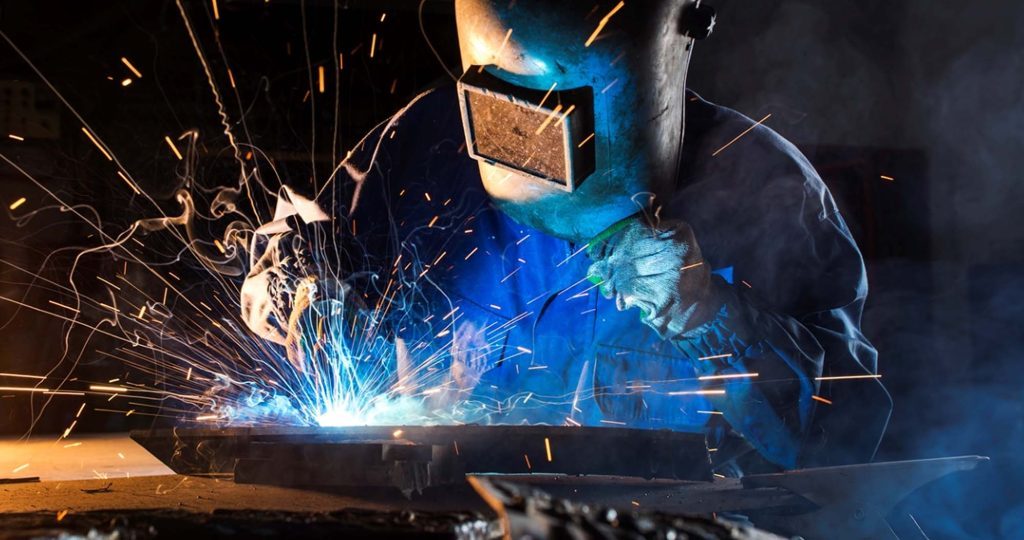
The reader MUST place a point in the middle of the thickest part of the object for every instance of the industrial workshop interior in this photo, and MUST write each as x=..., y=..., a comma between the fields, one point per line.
x=512, y=269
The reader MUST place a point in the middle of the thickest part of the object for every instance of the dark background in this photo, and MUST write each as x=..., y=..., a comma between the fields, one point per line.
x=928, y=92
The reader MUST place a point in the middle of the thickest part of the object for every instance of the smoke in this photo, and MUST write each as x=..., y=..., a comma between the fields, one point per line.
x=940, y=80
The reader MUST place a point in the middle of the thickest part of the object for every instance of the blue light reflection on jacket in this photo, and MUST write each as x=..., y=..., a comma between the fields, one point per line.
x=790, y=313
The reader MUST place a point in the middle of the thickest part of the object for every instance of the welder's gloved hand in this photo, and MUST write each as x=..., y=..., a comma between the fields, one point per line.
x=657, y=268
x=284, y=253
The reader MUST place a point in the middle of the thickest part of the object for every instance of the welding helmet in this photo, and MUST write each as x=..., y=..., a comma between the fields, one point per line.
x=574, y=109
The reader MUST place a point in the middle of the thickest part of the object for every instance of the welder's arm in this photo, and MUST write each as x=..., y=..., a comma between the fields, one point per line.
x=288, y=263
x=659, y=269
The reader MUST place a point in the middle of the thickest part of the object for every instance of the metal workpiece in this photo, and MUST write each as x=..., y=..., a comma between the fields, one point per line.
x=627, y=469
x=554, y=450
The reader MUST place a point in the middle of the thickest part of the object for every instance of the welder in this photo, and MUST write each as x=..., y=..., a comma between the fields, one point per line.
x=725, y=290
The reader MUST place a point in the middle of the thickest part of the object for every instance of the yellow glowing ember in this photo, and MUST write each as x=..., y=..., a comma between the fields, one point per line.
x=604, y=21
x=97, y=143
x=547, y=121
x=103, y=388
x=126, y=82
x=322, y=86
x=14, y=205
x=131, y=67
x=821, y=399
x=373, y=45
x=173, y=147
x=547, y=448
x=129, y=182
x=16, y=137
x=748, y=130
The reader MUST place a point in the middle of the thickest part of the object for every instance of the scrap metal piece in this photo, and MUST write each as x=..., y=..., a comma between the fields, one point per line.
x=852, y=502
x=527, y=512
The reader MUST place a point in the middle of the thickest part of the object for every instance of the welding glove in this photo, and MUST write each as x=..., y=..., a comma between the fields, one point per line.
x=658, y=268
x=284, y=254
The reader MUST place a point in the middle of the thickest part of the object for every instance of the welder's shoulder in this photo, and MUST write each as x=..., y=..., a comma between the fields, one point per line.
x=750, y=158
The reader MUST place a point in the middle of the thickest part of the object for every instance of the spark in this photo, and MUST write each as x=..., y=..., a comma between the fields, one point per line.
x=545, y=98
x=499, y=51
x=749, y=286
x=131, y=67
x=821, y=399
x=708, y=412
x=727, y=376
x=220, y=246
x=888, y=178
x=547, y=121
x=22, y=376
x=120, y=455
x=61, y=514
x=383, y=16
x=22, y=389
x=748, y=130
x=16, y=137
x=397, y=434
x=72, y=445
x=173, y=148
x=570, y=420
x=470, y=254
x=14, y=205
x=97, y=143
x=847, y=377
x=142, y=311
x=373, y=45
x=714, y=357
x=432, y=222
x=613, y=422
x=547, y=448
x=322, y=79
x=697, y=393
x=20, y=468
x=511, y=274
x=216, y=11
x=129, y=182
x=610, y=85
x=527, y=458
x=126, y=82
x=585, y=141
x=104, y=388
x=205, y=417
x=604, y=21
x=694, y=265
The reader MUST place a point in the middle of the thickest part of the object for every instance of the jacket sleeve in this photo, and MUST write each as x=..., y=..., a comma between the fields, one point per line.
x=795, y=324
